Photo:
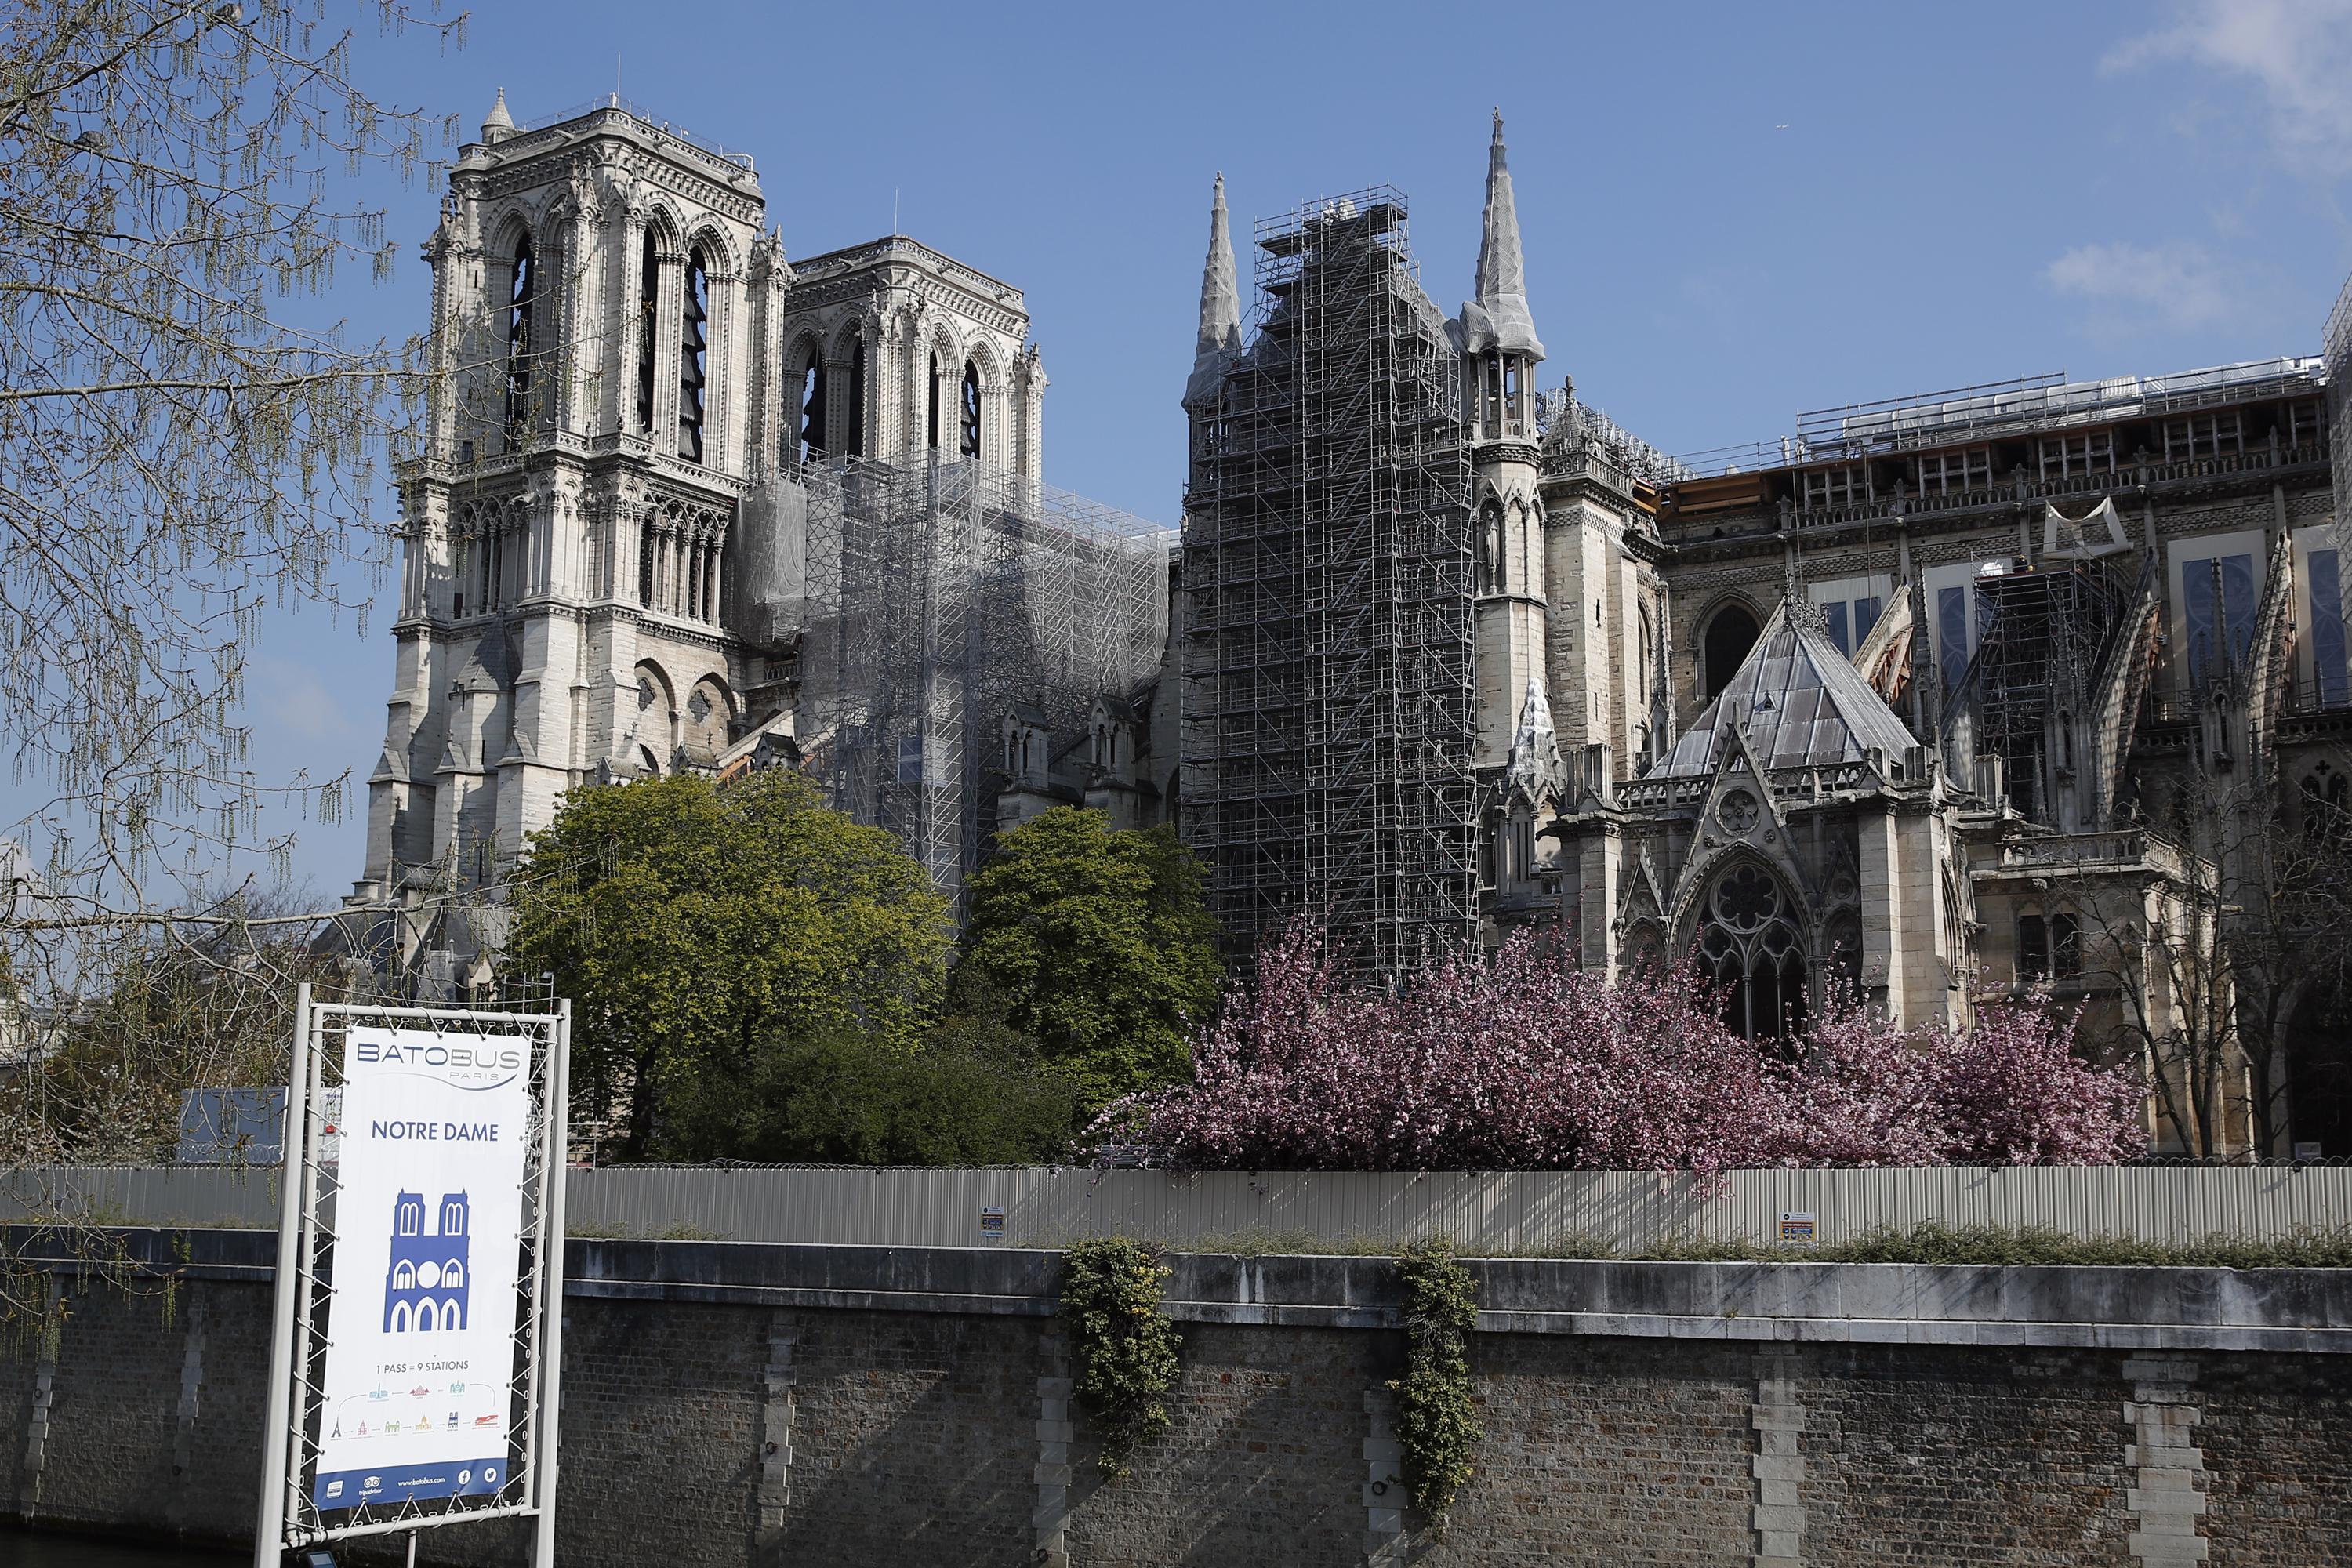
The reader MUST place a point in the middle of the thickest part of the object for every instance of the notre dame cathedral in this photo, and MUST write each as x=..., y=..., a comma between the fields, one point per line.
x=1944, y=699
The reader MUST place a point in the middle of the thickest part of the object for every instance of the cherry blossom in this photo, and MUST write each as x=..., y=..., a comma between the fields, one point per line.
x=1522, y=1061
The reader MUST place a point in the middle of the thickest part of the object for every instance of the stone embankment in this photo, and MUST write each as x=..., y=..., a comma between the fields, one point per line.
x=730, y=1402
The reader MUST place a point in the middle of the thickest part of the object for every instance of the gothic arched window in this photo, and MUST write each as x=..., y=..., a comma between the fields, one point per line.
x=1645, y=674
x=812, y=440
x=453, y=1217
x=1646, y=952
x=693, y=355
x=1729, y=637
x=648, y=302
x=1747, y=940
x=969, y=444
x=935, y=400
x=518, y=308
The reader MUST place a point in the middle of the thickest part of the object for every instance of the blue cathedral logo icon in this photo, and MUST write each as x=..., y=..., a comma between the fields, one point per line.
x=425, y=1288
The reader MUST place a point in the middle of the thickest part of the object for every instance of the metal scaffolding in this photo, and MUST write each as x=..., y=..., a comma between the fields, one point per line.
x=2045, y=642
x=941, y=596
x=2337, y=352
x=1328, y=651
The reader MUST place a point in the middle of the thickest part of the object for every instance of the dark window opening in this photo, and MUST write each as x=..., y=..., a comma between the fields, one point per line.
x=1729, y=637
x=2032, y=948
x=969, y=444
x=2048, y=948
x=693, y=356
x=2065, y=947
x=519, y=309
x=812, y=441
x=855, y=446
x=935, y=401
x=649, y=297
x=646, y=565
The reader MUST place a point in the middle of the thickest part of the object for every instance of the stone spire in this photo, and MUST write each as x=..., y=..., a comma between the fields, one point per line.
x=1221, y=305
x=498, y=125
x=1500, y=318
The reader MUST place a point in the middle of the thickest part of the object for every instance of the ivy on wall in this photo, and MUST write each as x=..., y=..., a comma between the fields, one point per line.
x=1435, y=1426
x=1123, y=1346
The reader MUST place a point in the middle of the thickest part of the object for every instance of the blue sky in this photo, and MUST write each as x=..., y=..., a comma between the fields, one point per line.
x=1732, y=212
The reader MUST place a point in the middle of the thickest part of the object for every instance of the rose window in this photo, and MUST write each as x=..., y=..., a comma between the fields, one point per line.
x=1748, y=943
x=1738, y=811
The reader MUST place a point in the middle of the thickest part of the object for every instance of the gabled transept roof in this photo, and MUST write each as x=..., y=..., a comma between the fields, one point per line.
x=1801, y=701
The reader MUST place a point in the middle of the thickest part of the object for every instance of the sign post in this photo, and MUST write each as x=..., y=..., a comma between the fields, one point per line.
x=419, y=1295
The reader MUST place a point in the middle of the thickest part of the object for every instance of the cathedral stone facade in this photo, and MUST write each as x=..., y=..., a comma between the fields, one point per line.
x=625, y=357
x=1942, y=700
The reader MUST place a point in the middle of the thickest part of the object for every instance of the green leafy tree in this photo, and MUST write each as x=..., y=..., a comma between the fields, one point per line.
x=1097, y=943
x=973, y=1095
x=693, y=924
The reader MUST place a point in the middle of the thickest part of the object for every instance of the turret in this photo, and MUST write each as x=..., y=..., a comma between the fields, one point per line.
x=499, y=124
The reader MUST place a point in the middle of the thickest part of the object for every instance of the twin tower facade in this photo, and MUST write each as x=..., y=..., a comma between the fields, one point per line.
x=623, y=353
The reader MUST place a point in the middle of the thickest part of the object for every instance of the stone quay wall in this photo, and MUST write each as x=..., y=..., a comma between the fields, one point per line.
x=737, y=1403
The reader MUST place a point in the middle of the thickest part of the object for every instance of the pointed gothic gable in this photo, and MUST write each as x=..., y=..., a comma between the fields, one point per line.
x=1534, y=768
x=1801, y=702
x=1739, y=820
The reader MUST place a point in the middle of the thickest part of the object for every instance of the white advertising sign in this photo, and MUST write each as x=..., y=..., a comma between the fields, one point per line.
x=421, y=1316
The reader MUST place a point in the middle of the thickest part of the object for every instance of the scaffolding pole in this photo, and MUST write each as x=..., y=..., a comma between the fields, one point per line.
x=2045, y=641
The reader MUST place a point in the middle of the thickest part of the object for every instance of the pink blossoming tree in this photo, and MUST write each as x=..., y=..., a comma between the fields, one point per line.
x=1521, y=1061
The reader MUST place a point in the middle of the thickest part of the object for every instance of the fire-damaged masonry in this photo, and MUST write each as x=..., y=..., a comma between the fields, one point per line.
x=1942, y=698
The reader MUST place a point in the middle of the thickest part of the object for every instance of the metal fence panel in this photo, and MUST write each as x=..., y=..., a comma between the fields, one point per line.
x=1503, y=1211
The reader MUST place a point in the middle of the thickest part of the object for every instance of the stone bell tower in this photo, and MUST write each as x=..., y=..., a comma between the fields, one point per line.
x=567, y=526
x=1499, y=353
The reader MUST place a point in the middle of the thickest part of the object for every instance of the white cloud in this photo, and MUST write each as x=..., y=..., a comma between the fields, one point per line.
x=2175, y=287
x=2296, y=54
